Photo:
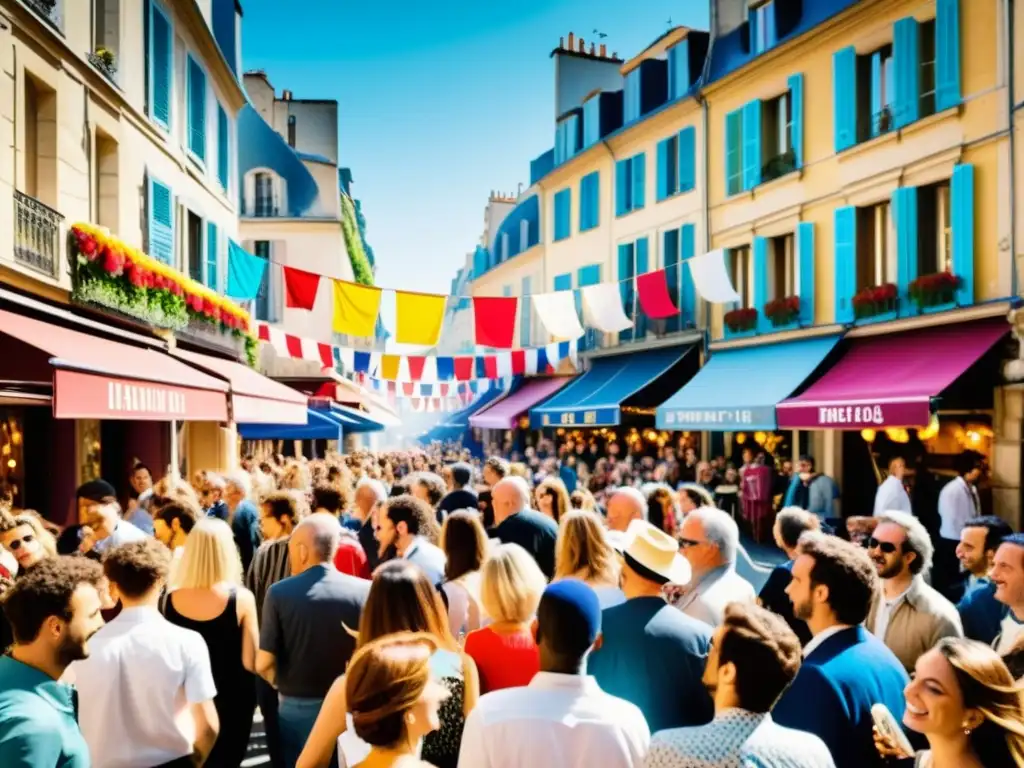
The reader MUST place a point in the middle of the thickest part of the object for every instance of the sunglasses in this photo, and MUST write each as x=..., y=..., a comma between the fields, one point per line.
x=886, y=546
x=15, y=545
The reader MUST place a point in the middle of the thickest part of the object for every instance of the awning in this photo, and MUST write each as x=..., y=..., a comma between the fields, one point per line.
x=889, y=381
x=355, y=421
x=461, y=419
x=315, y=426
x=255, y=399
x=505, y=413
x=739, y=388
x=96, y=378
x=594, y=399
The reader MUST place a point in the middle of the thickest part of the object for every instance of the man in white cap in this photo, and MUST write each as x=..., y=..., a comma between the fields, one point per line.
x=651, y=651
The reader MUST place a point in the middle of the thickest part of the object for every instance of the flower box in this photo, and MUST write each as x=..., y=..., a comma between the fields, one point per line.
x=105, y=60
x=740, y=320
x=112, y=274
x=874, y=301
x=934, y=290
x=783, y=311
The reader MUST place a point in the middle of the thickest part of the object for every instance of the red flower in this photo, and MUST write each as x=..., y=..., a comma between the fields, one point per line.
x=87, y=246
x=113, y=261
x=176, y=288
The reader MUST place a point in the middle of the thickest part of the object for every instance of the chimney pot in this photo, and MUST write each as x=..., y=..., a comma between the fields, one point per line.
x=561, y=43
x=604, y=50
x=615, y=55
x=583, y=46
x=593, y=50
x=572, y=41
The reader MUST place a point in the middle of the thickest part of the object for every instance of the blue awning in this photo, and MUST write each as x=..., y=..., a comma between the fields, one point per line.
x=353, y=420
x=738, y=389
x=460, y=419
x=593, y=400
x=317, y=427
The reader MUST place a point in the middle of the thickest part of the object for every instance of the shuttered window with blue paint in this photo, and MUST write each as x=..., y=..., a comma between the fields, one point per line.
x=196, y=109
x=161, y=222
x=907, y=64
x=687, y=290
x=751, y=144
x=211, y=275
x=631, y=97
x=805, y=271
x=626, y=272
x=734, y=152
x=223, y=148
x=904, y=211
x=845, y=226
x=844, y=83
x=160, y=64
x=590, y=200
x=668, y=168
x=591, y=121
x=678, y=70
x=761, y=27
x=563, y=214
x=687, y=159
x=947, y=54
x=962, y=235
x=586, y=276
x=630, y=181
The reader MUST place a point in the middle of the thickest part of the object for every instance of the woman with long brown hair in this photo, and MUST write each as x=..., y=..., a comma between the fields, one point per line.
x=582, y=551
x=393, y=698
x=552, y=498
x=402, y=599
x=464, y=542
x=964, y=700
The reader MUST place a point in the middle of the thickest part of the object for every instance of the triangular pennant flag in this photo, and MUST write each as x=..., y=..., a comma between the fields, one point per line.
x=602, y=308
x=557, y=312
x=481, y=368
x=245, y=273
x=408, y=389
x=653, y=293
x=361, y=362
x=389, y=367
x=294, y=346
x=533, y=362
x=464, y=367
x=518, y=362
x=418, y=318
x=494, y=319
x=416, y=365
x=445, y=368
x=355, y=309
x=300, y=288
x=490, y=367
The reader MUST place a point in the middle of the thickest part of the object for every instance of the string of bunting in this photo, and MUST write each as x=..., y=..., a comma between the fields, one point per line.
x=421, y=369
x=419, y=317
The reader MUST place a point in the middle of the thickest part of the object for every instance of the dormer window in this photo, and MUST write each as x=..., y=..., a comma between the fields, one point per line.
x=761, y=20
x=265, y=194
x=263, y=205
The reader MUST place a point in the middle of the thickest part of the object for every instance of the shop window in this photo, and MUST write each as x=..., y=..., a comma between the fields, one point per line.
x=194, y=247
x=741, y=268
x=876, y=246
x=926, y=30
x=876, y=93
x=783, y=274
x=777, y=137
x=934, y=244
x=12, y=455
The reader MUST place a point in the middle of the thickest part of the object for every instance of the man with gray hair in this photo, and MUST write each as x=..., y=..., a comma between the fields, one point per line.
x=304, y=643
x=370, y=495
x=909, y=616
x=625, y=505
x=710, y=540
x=243, y=516
x=516, y=523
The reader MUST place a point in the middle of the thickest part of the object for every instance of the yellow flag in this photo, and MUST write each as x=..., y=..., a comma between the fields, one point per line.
x=419, y=317
x=355, y=308
x=389, y=366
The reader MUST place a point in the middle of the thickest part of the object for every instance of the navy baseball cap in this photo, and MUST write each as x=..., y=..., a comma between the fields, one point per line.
x=569, y=616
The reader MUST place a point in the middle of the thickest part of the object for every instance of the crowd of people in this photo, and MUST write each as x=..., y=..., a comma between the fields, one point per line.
x=395, y=609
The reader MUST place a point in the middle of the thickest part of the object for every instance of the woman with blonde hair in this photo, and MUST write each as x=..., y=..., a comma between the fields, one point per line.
x=582, y=551
x=552, y=498
x=207, y=597
x=964, y=700
x=505, y=651
x=401, y=599
x=393, y=698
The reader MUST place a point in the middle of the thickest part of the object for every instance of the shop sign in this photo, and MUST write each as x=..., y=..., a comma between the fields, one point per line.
x=592, y=418
x=866, y=415
x=723, y=419
x=88, y=396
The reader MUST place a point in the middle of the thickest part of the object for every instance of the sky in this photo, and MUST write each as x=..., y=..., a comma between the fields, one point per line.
x=439, y=102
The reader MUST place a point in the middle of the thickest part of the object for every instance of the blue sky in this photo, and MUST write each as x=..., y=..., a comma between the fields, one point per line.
x=439, y=102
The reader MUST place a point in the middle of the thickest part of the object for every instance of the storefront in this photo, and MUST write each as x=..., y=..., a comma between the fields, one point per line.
x=506, y=423
x=456, y=427
x=317, y=435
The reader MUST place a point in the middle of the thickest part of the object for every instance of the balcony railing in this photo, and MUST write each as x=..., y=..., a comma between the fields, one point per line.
x=51, y=10
x=779, y=166
x=37, y=230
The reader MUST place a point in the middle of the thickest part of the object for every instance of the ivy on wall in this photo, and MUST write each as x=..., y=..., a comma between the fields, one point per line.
x=361, y=269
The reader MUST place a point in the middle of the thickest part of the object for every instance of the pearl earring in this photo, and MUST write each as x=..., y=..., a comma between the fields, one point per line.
x=410, y=718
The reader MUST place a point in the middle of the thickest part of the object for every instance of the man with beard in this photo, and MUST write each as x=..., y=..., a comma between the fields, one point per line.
x=979, y=610
x=908, y=616
x=53, y=609
x=846, y=669
x=148, y=683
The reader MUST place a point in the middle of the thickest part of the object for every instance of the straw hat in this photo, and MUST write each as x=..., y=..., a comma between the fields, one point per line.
x=656, y=551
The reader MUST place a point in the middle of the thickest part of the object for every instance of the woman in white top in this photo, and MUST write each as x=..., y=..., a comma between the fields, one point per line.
x=583, y=552
x=464, y=542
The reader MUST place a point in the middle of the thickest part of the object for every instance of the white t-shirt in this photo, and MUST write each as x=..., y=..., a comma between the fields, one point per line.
x=1010, y=631
x=136, y=687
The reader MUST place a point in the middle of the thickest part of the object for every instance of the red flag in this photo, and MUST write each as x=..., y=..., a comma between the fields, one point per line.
x=518, y=362
x=408, y=388
x=416, y=365
x=263, y=329
x=655, y=299
x=495, y=320
x=491, y=367
x=294, y=344
x=300, y=288
x=326, y=354
x=444, y=388
x=464, y=367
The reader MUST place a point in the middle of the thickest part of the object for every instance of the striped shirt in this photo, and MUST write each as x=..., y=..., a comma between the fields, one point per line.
x=269, y=565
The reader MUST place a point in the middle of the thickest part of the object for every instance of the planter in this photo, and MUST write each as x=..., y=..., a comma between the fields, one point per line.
x=740, y=320
x=875, y=301
x=105, y=61
x=938, y=289
x=783, y=312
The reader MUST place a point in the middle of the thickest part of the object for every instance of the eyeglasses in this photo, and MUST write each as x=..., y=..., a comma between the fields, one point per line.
x=15, y=545
x=886, y=546
x=687, y=543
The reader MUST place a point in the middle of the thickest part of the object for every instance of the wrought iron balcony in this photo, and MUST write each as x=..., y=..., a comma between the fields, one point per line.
x=37, y=235
x=51, y=10
x=779, y=166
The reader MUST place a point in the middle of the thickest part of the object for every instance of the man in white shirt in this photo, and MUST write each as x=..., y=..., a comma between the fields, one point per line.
x=1008, y=576
x=562, y=718
x=147, y=688
x=891, y=494
x=958, y=503
x=402, y=522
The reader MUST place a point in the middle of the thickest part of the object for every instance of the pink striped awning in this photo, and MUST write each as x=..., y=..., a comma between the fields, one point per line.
x=505, y=413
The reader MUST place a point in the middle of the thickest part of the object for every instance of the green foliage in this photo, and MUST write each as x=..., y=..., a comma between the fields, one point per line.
x=354, y=242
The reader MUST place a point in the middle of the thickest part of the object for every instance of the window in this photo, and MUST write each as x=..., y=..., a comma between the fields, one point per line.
x=223, y=148
x=876, y=246
x=631, y=101
x=762, y=27
x=935, y=232
x=264, y=197
x=741, y=268
x=160, y=65
x=592, y=121
x=264, y=305
x=927, y=51
x=590, y=194
x=777, y=137
x=563, y=214
x=630, y=179
x=291, y=130
x=211, y=276
x=734, y=152
x=106, y=35
x=106, y=180
x=524, y=235
x=783, y=271
x=567, y=138
x=503, y=256
x=161, y=222
x=194, y=247
x=196, y=110
x=876, y=93
x=668, y=167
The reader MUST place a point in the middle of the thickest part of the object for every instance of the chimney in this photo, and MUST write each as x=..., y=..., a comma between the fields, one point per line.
x=561, y=43
x=593, y=50
x=572, y=42
x=604, y=50
x=286, y=95
x=583, y=46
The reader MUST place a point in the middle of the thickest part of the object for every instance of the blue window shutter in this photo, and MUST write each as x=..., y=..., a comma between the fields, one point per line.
x=563, y=282
x=161, y=65
x=734, y=152
x=760, y=250
x=876, y=93
x=662, y=191
x=752, y=144
x=844, y=83
x=572, y=128
x=687, y=159
x=687, y=292
x=639, y=173
x=805, y=263
x=961, y=205
x=678, y=69
x=947, y=54
x=904, y=208
x=563, y=214
x=592, y=121
x=212, y=274
x=622, y=187
x=642, y=267
x=525, y=306
x=796, y=108
x=626, y=274
x=589, y=197
x=631, y=97
x=588, y=275
x=196, y=109
x=907, y=63
x=161, y=222
x=559, y=143
x=845, y=262
x=223, y=147
x=670, y=263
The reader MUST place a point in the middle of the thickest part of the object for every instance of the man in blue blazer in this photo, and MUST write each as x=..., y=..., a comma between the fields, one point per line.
x=846, y=669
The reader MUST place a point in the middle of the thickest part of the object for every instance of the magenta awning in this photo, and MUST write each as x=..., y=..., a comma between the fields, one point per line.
x=889, y=381
x=505, y=413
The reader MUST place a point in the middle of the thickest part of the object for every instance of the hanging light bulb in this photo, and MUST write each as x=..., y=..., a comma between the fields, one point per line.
x=868, y=435
x=931, y=430
x=741, y=438
x=760, y=437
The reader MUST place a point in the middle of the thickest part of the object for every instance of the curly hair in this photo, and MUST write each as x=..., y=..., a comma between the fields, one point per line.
x=765, y=651
x=46, y=590
x=289, y=504
x=433, y=484
x=137, y=567
x=419, y=518
x=847, y=572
